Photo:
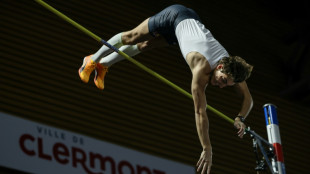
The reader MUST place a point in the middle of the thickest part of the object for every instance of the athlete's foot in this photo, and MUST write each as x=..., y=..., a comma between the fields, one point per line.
x=87, y=68
x=100, y=73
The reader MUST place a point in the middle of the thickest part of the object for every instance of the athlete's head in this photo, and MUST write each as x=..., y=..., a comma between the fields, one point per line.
x=231, y=70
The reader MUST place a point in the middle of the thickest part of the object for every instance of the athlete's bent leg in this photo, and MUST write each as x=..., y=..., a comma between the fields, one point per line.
x=131, y=50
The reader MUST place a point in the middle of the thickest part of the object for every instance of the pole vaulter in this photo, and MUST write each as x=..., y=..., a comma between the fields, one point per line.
x=274, y=145
x=97, y=38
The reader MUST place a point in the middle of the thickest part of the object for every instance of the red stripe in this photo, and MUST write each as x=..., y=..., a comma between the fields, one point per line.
x=279, y=153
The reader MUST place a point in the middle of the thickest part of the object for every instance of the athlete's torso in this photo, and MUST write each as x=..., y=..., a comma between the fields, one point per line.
x=178, y=24
x=194, y=37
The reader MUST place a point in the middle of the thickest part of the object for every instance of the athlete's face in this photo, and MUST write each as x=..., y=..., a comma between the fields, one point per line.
x=221, y=79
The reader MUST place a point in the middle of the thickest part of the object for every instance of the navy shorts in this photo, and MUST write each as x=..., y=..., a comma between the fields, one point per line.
x=166, y=21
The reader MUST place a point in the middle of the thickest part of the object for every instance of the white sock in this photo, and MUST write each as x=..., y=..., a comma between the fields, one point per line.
x=130, y=50
x=115, y=41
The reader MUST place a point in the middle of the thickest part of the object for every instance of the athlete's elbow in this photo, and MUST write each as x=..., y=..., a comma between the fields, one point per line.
x=196, y=92
x=200, y=112
x=251, y=103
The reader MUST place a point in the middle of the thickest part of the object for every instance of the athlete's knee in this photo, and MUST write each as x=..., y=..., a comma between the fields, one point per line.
x=142, y=46
x=130, y=37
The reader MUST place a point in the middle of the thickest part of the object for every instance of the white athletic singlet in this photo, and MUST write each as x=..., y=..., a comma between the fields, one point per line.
x=193, y=36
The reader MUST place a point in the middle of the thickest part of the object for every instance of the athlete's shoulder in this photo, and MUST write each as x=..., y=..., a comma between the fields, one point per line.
x=198, y=64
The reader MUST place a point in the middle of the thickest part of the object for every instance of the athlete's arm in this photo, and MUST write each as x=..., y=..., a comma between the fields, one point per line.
x=199, y=83
x=246, y=107
x=247, y=101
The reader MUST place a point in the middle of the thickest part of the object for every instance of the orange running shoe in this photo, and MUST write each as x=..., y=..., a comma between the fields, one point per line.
x=100, y=72
x=87, y=68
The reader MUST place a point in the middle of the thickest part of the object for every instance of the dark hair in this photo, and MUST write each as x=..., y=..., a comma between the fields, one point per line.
x=236, y=67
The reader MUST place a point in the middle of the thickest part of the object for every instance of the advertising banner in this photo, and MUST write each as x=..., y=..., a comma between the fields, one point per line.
x=37, y=148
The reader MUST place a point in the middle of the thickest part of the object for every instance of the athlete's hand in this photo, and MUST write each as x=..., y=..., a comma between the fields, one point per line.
x=240, y=126
x=205, y=162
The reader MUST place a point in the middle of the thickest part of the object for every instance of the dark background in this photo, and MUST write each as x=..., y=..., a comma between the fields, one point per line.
x=41, y=54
